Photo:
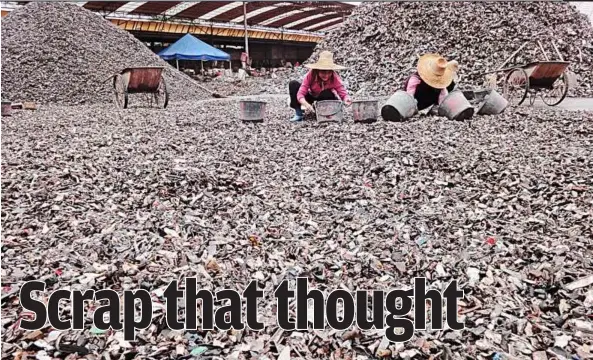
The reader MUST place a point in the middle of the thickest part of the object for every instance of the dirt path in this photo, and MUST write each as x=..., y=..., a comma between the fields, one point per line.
x=574, y=104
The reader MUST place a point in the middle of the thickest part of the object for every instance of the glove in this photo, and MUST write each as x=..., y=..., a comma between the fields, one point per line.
x=308, y=108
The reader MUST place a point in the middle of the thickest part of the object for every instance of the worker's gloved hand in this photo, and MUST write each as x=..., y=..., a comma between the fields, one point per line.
x=308, y=108
x=424, y=111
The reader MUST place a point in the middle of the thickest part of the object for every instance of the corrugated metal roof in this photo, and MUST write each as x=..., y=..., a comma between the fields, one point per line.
x=289, y=16
x=276, y=14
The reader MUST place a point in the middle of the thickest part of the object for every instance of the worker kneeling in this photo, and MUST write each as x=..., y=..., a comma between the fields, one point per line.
x=428, y=86
x=321, y=83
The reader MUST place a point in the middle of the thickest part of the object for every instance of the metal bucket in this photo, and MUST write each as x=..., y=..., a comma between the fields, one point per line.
x=399, y=106
x=493, y=104
x=469, y=94
x=456, y=107
x=253, y=110
x=365, y=110
x=6, y=108
x=329, y=110
x=480, y=94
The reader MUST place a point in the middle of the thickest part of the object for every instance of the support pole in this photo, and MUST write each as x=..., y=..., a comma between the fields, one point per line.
x=245, y=25
x=211, y=34
x=283, y=46
x=177, y=62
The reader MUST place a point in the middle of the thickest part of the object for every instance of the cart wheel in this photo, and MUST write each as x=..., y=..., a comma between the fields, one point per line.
x=121, y=93
x=161, y=97
x=516, y=87
x=557, y=93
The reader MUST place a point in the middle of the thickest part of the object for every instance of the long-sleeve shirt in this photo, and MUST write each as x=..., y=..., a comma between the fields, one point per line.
x=314, y=88
x=415, y=81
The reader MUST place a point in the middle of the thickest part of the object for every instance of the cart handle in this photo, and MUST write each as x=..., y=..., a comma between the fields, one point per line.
x=495, y=71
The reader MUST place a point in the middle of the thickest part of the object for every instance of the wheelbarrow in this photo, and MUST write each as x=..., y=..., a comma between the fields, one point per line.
x=141, y=80
x=544, y=78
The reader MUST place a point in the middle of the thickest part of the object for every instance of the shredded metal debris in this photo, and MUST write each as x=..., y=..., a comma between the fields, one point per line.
x=96, y=197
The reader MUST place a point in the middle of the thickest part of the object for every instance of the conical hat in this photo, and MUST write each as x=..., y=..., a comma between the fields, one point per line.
x=325, y=62
x=435, y=71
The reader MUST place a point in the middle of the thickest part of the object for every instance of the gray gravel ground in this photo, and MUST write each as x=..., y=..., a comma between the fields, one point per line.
x=97, y=197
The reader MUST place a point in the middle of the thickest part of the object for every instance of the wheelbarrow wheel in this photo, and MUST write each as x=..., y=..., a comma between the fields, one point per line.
x=557, y=93
x=161, y=97
x=516, y=87
x=121, y=93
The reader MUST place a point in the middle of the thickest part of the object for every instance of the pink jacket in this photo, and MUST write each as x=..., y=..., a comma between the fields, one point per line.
x=415, y=81
x=309, y=86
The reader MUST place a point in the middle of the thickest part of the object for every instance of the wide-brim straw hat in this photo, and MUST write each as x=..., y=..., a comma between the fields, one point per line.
x=325, y=62
x=435, y=70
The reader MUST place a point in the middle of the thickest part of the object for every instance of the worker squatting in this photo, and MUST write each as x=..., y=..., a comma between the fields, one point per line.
x=354, y=308
x=427, y=88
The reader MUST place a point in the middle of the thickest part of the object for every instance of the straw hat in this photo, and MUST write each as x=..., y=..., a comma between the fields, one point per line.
x=435, y=70
x=325, y=62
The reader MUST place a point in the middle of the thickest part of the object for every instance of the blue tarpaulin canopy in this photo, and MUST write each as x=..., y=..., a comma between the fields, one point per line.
x=191, y=48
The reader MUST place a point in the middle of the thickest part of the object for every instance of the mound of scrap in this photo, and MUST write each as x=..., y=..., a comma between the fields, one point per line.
x=63, y=53
x=381, y=42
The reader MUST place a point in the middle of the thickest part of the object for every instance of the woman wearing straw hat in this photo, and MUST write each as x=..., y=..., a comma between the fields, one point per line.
x=321, y=83
x=430, y=82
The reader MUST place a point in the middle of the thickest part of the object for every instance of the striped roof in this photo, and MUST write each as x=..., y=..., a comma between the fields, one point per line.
x=311, y=16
